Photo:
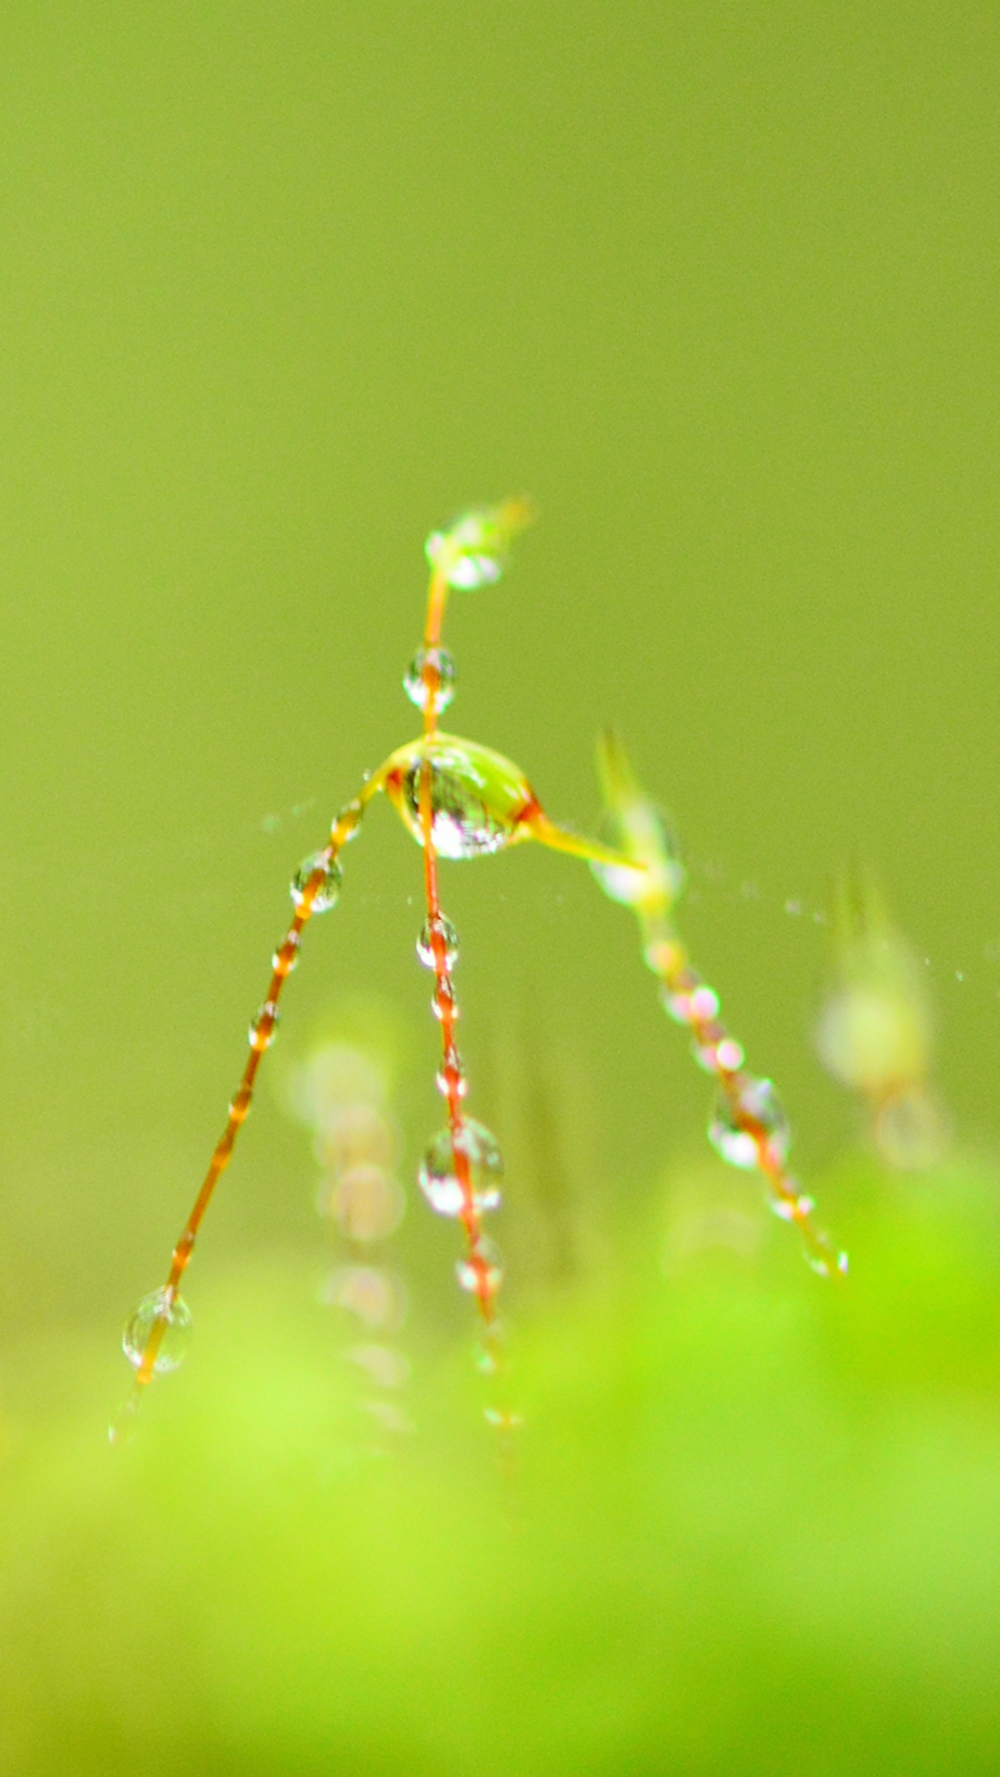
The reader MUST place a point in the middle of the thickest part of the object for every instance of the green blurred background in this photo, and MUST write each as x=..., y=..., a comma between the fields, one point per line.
x=281, y=288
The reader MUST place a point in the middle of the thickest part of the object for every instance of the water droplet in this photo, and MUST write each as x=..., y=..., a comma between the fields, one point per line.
x=263, y=1026
x=444, y=1004
x=479, y=799
x=827, y=1264
x=720, y=1053
x=286, y=957
x=451, y=1081
x=442, y=929
x=327, y=893
x=481, y=1271
x=663, y=955
x=789, y=1209
x=735, y=1130
x=165, y=1310
x=415, y=683
x=239, y=1106
x=677, y=996
x=704, y=1003
x=439, y=1178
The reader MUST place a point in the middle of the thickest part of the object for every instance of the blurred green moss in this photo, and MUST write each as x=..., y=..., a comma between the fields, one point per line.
x=754, y=1524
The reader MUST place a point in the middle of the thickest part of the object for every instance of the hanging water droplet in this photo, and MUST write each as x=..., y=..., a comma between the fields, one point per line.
x=263, y=1026
x=790, y=1209
x=286, y=957
x=718, y=1052
x=444, y=1004
x=481, y=1271
x=168, y=1311
x=450, y=1080
x=439, y=1178
x=827, y=1264
x=442, y=929
x=416, y=684
x=736, y=1129
x=480, y=801
x=327, y=893
x=677, y=995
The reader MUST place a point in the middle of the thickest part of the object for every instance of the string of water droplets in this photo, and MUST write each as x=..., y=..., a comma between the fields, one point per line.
x=459, y=800
x=462, y=1169
x=156, y=1336
x=748, y=1127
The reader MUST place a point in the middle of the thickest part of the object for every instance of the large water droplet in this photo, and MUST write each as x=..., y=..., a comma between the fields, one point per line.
x=169, y=1311
x=479, y=800
x=328, y=892
x=438, y=1174
x=415, y=683
x=442, y=929
x=758, y=1104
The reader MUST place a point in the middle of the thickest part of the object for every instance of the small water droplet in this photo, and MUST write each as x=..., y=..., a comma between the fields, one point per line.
x=444, y=1004
x=415, y=683
x=827, y=1264
x=720, y=1054
x=443, y=930
x=263, y=1026
x=663, y=955
x=327, y=893
x=286, y=957
x=788, y=1209
x=168, y=1311
x=451, y=1081
x=704, y=1002
x=481, y=1271
x=438, y=1174
x=735, y=1129
x=677, y=996
x=239, y=1106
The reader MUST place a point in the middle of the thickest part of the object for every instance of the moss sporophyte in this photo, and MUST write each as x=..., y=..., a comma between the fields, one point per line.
x=460, y=799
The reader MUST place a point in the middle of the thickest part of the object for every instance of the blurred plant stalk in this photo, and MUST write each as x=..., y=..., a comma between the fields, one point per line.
x=874, y=1033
